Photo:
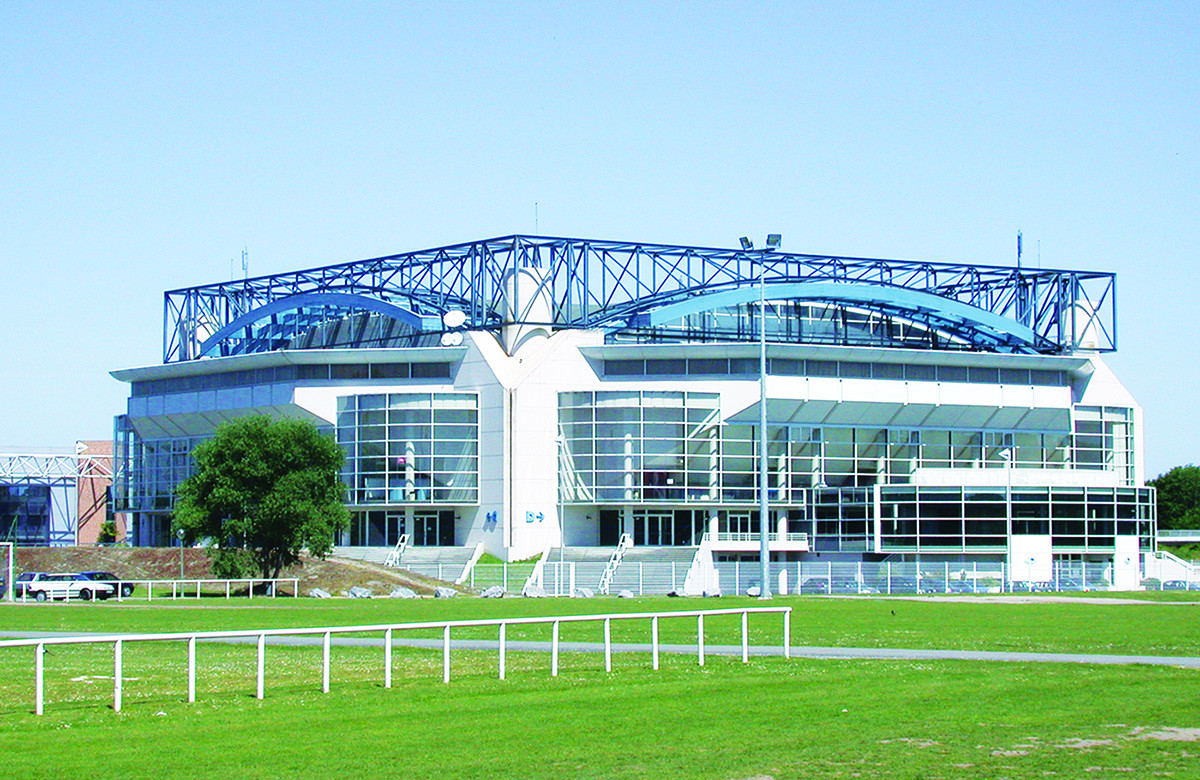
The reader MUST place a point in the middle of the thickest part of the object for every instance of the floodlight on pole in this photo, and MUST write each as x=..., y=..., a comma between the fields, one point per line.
x=774, y=241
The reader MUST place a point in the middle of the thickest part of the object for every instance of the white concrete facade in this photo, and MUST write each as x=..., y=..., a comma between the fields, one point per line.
x=954, y=435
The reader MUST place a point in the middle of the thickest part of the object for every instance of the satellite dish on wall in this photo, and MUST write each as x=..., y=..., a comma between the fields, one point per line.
x=454, y=319
x=452, y=339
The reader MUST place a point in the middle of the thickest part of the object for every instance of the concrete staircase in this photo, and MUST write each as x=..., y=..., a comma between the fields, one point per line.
x=652, y=571
x=376, y=555
x=588, y=562
x=443, y=563
x=644, y=570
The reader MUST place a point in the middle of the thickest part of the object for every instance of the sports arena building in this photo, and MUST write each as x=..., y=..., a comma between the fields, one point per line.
x=523, y=393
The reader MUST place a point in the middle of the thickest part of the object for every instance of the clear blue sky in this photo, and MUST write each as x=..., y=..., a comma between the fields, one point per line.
x=143, y=145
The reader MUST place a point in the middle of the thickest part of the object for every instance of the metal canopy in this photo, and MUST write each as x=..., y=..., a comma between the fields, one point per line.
x=885, y=414
x=583, y=283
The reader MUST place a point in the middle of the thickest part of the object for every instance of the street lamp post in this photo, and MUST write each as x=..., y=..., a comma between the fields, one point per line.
x=561, y=442
x=1007, y=455
x=179, y=534
x=764, y=547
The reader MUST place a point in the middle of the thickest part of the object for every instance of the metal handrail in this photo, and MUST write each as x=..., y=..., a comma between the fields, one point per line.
x=753, y=536
x=397, y=552
x=610, y=569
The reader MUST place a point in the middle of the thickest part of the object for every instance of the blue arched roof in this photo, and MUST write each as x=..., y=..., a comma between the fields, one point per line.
x=921, y=305
x=309, y=300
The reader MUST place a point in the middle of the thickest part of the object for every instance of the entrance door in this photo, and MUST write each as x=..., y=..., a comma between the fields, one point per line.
x=610, y=527
x=689, y=526
x=445, y=534
x=653, y=528
x=425, y=529
x=433, y=528
x=395, y=527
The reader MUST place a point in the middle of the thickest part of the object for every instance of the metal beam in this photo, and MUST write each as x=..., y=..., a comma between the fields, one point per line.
x=583, y=283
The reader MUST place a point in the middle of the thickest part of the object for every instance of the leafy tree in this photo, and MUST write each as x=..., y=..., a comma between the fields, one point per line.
x=263, y=491
x=1178, y=497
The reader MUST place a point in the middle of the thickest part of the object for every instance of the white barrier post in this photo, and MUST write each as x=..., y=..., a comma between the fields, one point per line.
x=227, y=590
x=325, y=664
x=262, y=653
x=387, y=658
x=118, y=648
x=502, y=648
x=745, y=637
x=700, y=640
x=608, y=644
x=191, y=669
x=39, y=679
x=787, y=634
x=654, y=642
x=446, y=653
x=554, y=650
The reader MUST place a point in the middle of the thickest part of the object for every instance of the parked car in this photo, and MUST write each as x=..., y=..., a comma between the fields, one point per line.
x=108, y=576
x=837, y=585
x=22, y=580
x=43, y=587
x=900, y=584
x=931, y=585
x=1070, y=583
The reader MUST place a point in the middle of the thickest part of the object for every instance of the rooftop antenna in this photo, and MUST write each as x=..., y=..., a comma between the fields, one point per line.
x=1018, y=249
x=245, y=264
x=535, y=218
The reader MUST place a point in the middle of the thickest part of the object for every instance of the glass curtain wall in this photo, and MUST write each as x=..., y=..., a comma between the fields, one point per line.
x=660, y=446
x=410, y=448
x=974, y=520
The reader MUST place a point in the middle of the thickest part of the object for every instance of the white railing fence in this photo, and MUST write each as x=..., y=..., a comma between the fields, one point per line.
x=558, y=578
x=738, y=536
x=510, y=576
x=388, y=630
x=827, y=577
x=182, y=589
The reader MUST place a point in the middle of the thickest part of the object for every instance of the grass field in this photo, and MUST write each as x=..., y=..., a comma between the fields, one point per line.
x=797, y=718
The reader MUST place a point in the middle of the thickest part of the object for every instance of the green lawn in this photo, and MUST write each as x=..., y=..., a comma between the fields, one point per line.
x=798, y=718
